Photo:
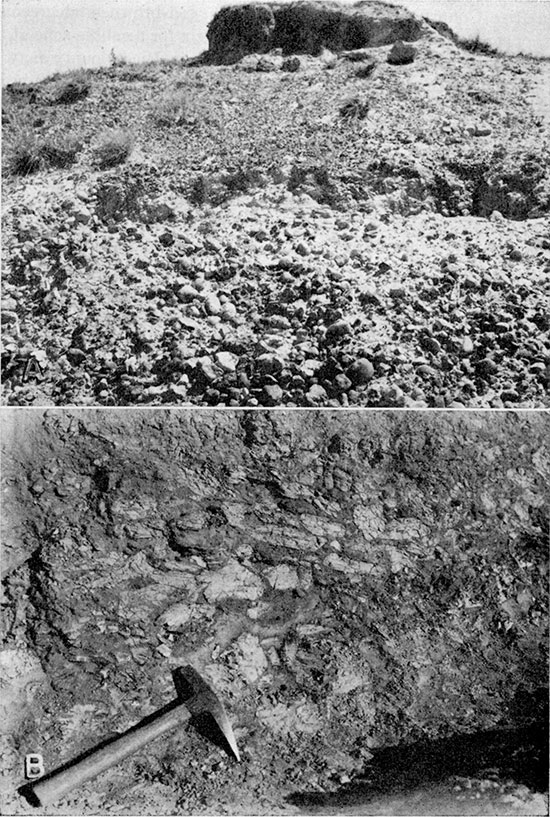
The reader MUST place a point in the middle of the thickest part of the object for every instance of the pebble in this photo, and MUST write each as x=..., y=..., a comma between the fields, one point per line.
x=339, y=328
x=227, y=361
x=187, y=293
x=431, y=345
x=316, y=394
x=229, y=311
x=467, y=345
x=361, y=371
x=515, y=255
x=278, y=322
x=269, y=364
x=342, y=383
x=212, y=304
x=76, y=356
x=486, y=367
x=272, y=394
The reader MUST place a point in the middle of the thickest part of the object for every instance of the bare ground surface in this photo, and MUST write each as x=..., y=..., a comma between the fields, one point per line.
x=267, y=245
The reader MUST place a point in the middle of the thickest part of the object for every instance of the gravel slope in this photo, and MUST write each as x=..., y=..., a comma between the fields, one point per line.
x=264, y=248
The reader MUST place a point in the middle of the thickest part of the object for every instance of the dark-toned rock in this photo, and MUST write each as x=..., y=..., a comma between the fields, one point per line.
x=402, y=54
x=239, y=30
x=291, y=64
x=360, y=371
x=306, y=28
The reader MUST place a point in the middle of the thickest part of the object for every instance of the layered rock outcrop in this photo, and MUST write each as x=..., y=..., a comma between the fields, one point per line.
x=307, y=27
x=345, y=584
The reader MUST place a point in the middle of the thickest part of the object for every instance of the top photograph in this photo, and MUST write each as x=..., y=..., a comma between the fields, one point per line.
x=277, y=204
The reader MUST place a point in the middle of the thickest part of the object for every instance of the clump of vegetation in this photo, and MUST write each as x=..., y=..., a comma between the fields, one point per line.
x=24, y=91
x=23, y=150
x=115, y=145
x=220, y=187
x=355, y=108
x=73, y=89
x=478, y=46
x=116, y=60
x=172, y=109
x=60, y=149
x=28, y=151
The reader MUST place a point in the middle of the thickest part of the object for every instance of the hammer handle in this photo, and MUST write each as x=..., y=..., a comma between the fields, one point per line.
x=52, y=787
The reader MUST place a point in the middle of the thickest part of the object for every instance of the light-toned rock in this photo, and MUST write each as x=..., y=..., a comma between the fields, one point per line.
x=233, y=581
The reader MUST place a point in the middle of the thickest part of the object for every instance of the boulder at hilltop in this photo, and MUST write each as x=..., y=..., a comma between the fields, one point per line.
x=306, y=27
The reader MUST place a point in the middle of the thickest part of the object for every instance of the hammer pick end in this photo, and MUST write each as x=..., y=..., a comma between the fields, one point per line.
x=223, y=722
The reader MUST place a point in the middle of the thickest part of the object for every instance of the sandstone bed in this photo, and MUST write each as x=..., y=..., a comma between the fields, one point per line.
x=351, y=585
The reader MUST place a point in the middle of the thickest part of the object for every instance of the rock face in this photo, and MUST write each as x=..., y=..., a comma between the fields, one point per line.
x=350, y=584
x=306, y=28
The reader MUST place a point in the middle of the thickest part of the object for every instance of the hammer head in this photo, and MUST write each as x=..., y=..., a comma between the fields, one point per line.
x=201, y=700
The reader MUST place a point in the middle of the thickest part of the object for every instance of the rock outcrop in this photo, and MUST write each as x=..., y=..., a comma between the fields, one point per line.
x=345, y=586
x=306, y=28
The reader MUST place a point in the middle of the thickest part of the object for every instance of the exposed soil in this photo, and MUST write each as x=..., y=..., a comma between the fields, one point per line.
x=366, y=592
x=325, y=230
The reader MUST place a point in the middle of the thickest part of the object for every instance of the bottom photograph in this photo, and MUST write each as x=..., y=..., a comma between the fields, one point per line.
x=257, y=612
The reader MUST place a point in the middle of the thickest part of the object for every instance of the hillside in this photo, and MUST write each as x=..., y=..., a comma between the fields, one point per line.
x=325, y=229
x=366, y=591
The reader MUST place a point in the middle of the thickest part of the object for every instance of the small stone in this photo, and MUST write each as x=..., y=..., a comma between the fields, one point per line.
x=273, y=395
x=342, y=383
x=393, y=396
x=309, y=368
x=166, y=239
x=226, y=360
x=187, y=293
x=291, y=64
x=8, y=317
x=316, y=394
x=208, y=369
x=401, y=53
x=431, y=345
x=212, y=304
x=278, y=322
x=486, y=367
x=76, y=356
x=515, y=255
x=229, y=311
x=360, y=371
x=425, y=371
x=265, y=65
x=269, y=364
x=339, y=328
x=483, y=130
x=283, y=577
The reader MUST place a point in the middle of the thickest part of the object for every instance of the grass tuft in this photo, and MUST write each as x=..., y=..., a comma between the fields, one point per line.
x=71, y=91
x=61, y=150
x=23, y=151
x=172, y=109
x=355, y=108
x=115, y=145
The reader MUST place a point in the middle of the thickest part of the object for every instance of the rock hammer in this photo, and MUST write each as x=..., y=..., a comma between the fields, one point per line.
x=195, y=700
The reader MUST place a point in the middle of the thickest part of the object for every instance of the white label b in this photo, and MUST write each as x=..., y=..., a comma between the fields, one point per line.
x=34, y=766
